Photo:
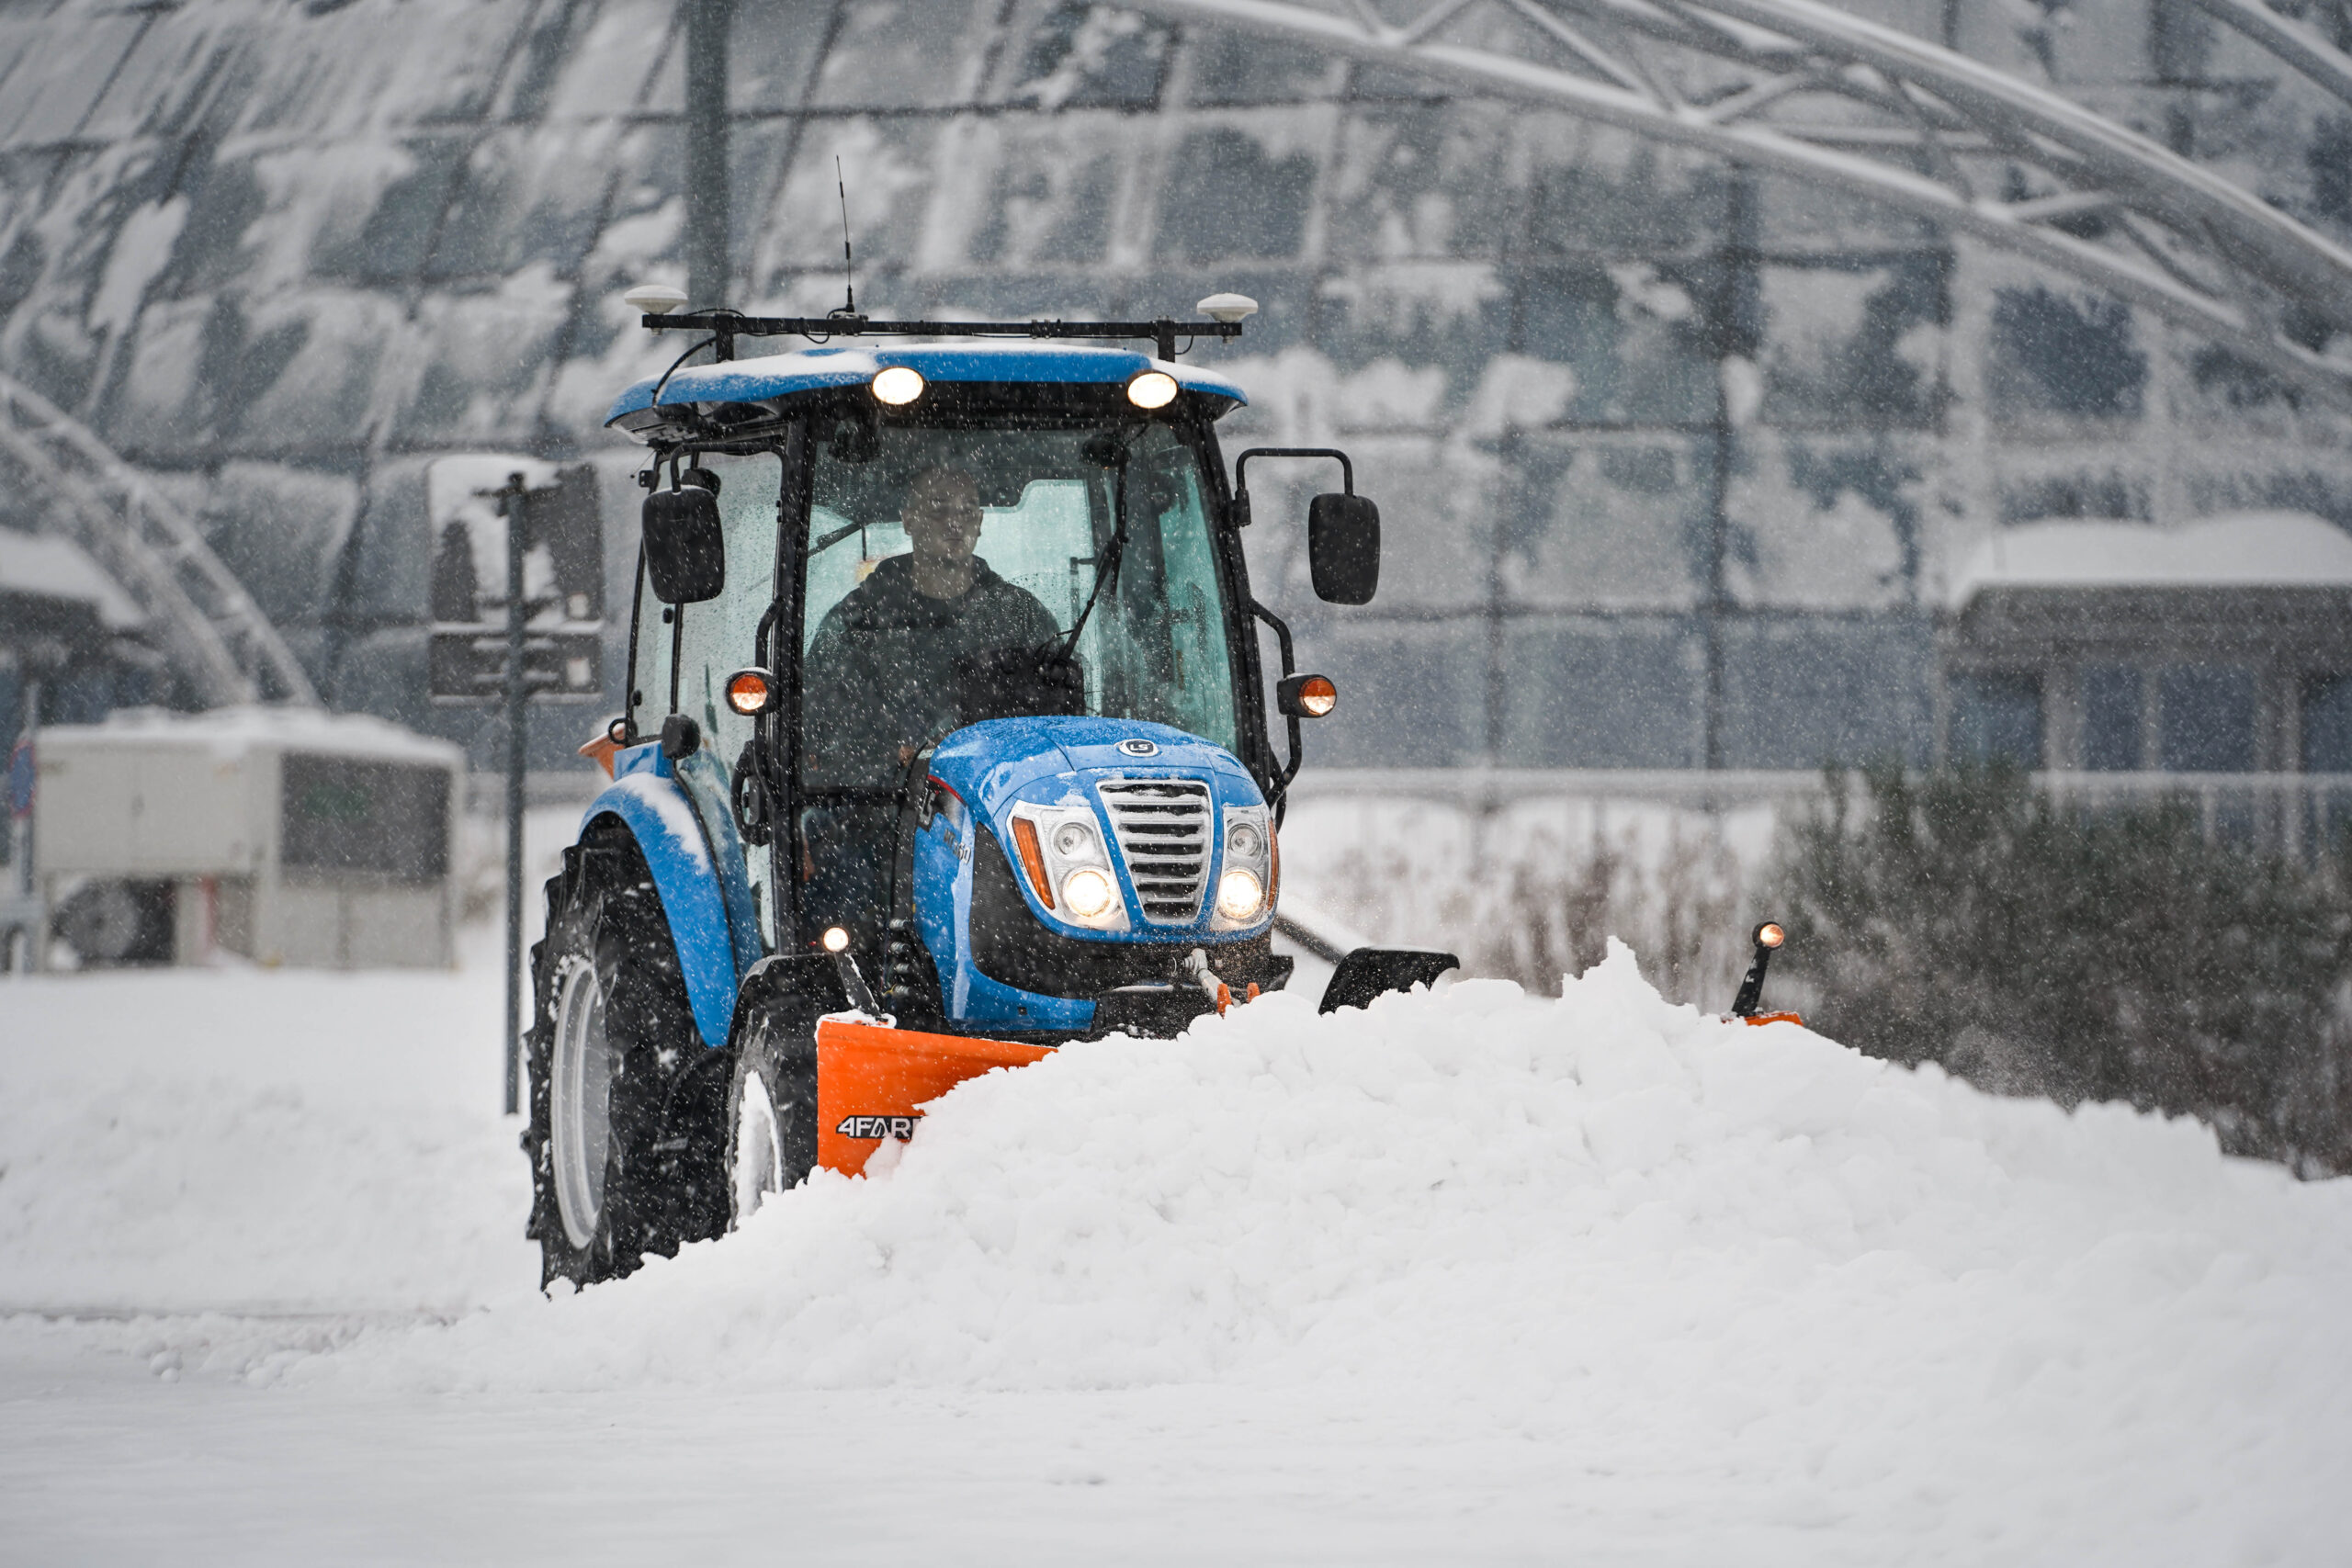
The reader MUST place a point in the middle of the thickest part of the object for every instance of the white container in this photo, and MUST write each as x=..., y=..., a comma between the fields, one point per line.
x=290, y=836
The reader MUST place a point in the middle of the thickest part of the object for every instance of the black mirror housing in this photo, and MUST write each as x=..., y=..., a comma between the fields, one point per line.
x=1344, y=549
x=685, y=548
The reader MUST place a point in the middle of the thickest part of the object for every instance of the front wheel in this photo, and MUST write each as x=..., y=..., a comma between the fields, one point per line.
x=771, y=1110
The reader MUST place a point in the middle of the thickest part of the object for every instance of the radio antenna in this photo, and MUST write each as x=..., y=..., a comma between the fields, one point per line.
x=849, y=270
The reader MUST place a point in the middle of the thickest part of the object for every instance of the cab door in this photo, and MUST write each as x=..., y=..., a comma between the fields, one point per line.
x=711, y=640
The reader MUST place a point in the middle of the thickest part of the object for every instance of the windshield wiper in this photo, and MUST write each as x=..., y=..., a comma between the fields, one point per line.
x=1108, y=569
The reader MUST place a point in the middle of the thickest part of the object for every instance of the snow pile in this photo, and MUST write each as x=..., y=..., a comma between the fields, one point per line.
x=1600, y=1214
x=194, y=1141
x=1596, y=1258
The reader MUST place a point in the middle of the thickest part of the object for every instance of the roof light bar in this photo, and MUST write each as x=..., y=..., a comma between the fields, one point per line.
x=729, y=325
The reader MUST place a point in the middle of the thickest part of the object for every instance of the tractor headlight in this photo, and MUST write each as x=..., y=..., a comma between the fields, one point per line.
x=1248, y=872
x=1086, y=892
x=1062, y=850
x=1238, y=894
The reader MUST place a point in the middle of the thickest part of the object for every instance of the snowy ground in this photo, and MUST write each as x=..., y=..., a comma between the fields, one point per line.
x=1469, y=1278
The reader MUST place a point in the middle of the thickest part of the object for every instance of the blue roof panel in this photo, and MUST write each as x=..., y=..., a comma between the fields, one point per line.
x=815, y=369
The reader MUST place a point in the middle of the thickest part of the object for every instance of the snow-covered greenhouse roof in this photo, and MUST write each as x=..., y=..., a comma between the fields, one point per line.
x=775, y=376
x=2245, y=550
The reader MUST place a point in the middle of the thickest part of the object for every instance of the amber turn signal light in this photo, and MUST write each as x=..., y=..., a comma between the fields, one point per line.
x=1033, y=859
x=750, y=692
x=1307, y=696
x=1770, y=934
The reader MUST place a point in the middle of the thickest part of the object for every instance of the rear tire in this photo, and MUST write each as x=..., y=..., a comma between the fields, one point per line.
x=626, y=1137
x=772, y=1108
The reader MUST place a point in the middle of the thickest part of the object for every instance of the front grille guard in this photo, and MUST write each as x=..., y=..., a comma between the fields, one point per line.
x=1166, y=832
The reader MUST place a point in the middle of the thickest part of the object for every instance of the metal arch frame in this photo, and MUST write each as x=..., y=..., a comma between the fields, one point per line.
x=2292, y=41
x=1910, y=124
x=220, y=638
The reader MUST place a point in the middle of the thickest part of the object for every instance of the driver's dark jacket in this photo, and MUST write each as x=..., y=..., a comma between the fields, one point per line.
x=881, y=674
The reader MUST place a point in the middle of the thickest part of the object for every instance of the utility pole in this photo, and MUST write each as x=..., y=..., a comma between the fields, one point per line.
x=708, y=277
x=547, y=651
x=24, y=915
x=518, y=710
x=1736, y=330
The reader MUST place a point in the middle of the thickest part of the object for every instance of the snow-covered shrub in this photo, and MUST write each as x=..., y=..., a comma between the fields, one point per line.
x=1533, y=891
x=2114, y=954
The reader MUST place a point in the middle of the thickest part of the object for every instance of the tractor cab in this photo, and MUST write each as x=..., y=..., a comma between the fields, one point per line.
x=946, y=738
x=959, y=638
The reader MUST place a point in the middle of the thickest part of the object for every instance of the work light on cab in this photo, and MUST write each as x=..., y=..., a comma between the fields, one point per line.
x=1152, y=390
x=751, y=692
x=897, y=385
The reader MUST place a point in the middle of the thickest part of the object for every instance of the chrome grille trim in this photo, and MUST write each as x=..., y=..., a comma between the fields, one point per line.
x=1164, y=829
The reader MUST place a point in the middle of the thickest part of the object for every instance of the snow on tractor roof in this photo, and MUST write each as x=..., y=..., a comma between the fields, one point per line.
x=2245, y=549
x=818, y=369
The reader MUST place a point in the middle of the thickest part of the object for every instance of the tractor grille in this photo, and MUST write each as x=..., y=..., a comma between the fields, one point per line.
x=1163, y=828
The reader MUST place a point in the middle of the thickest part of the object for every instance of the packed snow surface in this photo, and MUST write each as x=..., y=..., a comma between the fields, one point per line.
x=1465, y=1276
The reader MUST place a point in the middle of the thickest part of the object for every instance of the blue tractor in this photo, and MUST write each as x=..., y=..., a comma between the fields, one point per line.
x=947, y=745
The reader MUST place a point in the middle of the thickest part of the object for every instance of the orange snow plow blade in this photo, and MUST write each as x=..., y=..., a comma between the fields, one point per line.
x=871, y=1078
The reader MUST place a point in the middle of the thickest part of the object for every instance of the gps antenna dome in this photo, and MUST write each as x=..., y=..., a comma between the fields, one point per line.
x=655, y=298
x=1227, y=306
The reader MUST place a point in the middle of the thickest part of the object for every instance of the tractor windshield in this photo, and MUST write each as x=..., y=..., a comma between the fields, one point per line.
x=931, y=545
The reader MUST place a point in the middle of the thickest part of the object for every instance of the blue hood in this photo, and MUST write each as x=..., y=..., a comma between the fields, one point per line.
x=1063, y=762
x=991, y=765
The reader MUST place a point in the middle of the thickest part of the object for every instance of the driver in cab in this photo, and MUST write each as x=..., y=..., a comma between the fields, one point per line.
x=881, y=670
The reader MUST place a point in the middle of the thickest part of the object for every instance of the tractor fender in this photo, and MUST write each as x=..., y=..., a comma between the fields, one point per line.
x=669, y=833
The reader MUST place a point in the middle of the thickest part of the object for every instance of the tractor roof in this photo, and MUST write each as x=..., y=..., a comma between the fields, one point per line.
x=776, y=377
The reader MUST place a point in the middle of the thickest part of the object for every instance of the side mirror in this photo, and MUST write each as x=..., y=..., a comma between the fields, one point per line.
x=685, y=548
x=1344, y=549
